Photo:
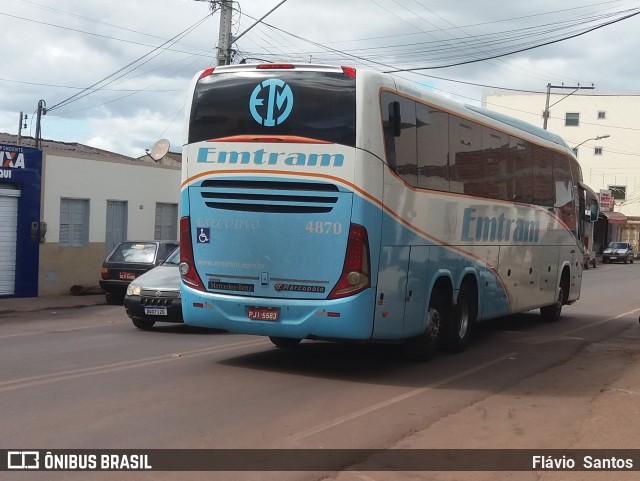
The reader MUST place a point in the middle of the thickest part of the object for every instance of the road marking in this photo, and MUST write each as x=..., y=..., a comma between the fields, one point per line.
x=593, y=324
x=397, y=399
x=121, y=366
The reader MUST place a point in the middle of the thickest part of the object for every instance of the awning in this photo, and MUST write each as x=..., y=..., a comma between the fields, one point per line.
x=616, y=217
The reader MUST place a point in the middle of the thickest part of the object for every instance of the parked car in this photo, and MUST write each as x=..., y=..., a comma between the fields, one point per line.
x=155, y=295
x=588, y=259
x=129, y=260
x=618, y=252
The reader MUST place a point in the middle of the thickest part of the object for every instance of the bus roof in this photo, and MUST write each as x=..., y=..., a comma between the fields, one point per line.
x=519, y=124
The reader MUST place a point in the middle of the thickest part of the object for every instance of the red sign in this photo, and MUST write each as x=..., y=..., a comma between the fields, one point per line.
x=606, y=200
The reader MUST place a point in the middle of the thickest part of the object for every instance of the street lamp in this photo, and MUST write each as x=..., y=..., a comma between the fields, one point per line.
x=606, y=136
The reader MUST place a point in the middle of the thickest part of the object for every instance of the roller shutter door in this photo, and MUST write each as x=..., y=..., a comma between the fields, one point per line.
x=8, y=236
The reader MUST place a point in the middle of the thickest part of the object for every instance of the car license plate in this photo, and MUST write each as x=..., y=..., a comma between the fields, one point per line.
x=264, y=313
x=155, y=311
x=127, y=276
x=613, y=258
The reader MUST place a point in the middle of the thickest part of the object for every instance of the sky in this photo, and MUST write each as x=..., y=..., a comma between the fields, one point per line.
x=114, y=74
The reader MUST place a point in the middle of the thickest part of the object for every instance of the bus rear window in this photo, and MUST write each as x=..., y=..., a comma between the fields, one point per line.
x=314, y=105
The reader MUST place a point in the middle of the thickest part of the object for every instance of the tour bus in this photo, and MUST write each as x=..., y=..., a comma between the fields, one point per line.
x=322, y=202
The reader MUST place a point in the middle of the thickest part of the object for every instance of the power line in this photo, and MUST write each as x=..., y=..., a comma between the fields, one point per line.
x=94, y=87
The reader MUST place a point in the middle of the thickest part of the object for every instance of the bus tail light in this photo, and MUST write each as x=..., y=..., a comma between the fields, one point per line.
x=356, y=270
x=206, y=73
x=187, y=266
x=349, y=71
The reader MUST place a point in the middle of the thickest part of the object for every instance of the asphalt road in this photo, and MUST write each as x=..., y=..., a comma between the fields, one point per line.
x=88, y=379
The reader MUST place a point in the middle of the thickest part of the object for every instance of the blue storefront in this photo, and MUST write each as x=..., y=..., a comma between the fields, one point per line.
x=20, y=226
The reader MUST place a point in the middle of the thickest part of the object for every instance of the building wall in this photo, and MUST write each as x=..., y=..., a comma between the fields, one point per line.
x=71, y=175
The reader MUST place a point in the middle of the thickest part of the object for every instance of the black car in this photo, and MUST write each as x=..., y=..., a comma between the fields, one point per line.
x=618, y=252
x=128, y=261
x=155, y=295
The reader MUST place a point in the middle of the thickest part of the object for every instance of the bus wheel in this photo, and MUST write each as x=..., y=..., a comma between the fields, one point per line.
x=456, y=333
x=284, y=341
x=425, y=346
x=552, y=313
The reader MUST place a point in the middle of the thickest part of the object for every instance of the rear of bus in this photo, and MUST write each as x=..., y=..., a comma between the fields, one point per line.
x=274, y=241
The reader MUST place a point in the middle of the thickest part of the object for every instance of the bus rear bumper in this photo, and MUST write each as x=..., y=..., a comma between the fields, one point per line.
x=348, y=318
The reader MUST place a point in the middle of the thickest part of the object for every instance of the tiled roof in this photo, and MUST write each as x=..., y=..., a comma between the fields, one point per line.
x=64, y=146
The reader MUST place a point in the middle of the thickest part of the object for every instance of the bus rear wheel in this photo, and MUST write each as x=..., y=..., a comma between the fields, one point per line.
x=456, y=333
x=425, y=346
x=284, y=341
x=552, y=313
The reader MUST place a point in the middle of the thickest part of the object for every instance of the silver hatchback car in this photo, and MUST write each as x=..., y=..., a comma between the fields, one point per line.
x=618, y=252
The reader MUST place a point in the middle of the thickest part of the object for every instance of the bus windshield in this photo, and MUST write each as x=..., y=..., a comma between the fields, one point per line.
x=325, y=106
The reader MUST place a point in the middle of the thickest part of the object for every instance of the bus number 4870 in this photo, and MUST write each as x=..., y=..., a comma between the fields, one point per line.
x=320, y=227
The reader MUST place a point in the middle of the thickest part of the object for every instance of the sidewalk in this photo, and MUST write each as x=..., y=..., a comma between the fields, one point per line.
x=31, y=304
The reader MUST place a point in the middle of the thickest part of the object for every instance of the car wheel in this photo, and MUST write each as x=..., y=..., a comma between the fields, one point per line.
x=114, y=300
x=144, y=324
x=284, y=341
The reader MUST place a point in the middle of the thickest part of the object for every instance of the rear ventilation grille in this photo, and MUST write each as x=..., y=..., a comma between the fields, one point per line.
x=269, y=196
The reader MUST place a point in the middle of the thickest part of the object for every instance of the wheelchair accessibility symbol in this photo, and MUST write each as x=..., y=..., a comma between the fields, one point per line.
x=203, y=235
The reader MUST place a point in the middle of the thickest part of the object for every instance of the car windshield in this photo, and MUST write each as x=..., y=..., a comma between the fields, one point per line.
x=618, y=245
x=138, y=252
x=174, y=257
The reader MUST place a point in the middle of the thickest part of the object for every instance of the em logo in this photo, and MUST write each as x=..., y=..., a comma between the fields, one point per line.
x=279, y=102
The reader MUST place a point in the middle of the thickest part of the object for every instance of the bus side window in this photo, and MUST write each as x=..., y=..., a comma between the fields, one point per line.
x=432, y=127
x=565, y=207
x=496, y=171
x=388, y=110
x=522, y=170
x=400, y=149
x=543, y=189
x=466, y=156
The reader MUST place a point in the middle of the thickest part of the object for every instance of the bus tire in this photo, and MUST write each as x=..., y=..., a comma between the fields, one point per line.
x=284, y=341
x=144, y=324
x=552, y=313
x=456, y=332
x=425, y=346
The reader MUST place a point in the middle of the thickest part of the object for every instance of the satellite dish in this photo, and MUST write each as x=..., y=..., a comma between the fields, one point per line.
x=159, y=149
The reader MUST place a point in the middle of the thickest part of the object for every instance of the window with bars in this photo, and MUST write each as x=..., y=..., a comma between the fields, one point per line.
x=618, y=192
x=572, y=119
x=166, y=224
x=74, y=222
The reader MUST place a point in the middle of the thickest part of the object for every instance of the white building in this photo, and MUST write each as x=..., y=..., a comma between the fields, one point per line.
x=604, y=131
x=74, y=204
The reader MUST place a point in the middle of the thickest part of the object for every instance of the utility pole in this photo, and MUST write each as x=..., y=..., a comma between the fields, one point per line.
x=546, y=113
x=224, y=34
x=225, y=37
x=41, y=111
x=21, y=125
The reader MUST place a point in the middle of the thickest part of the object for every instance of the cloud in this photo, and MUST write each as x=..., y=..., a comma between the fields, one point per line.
x=52, y=49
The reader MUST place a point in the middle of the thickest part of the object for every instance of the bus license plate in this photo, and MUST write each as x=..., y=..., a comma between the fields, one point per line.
x=263, y=314
x=155, y=311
